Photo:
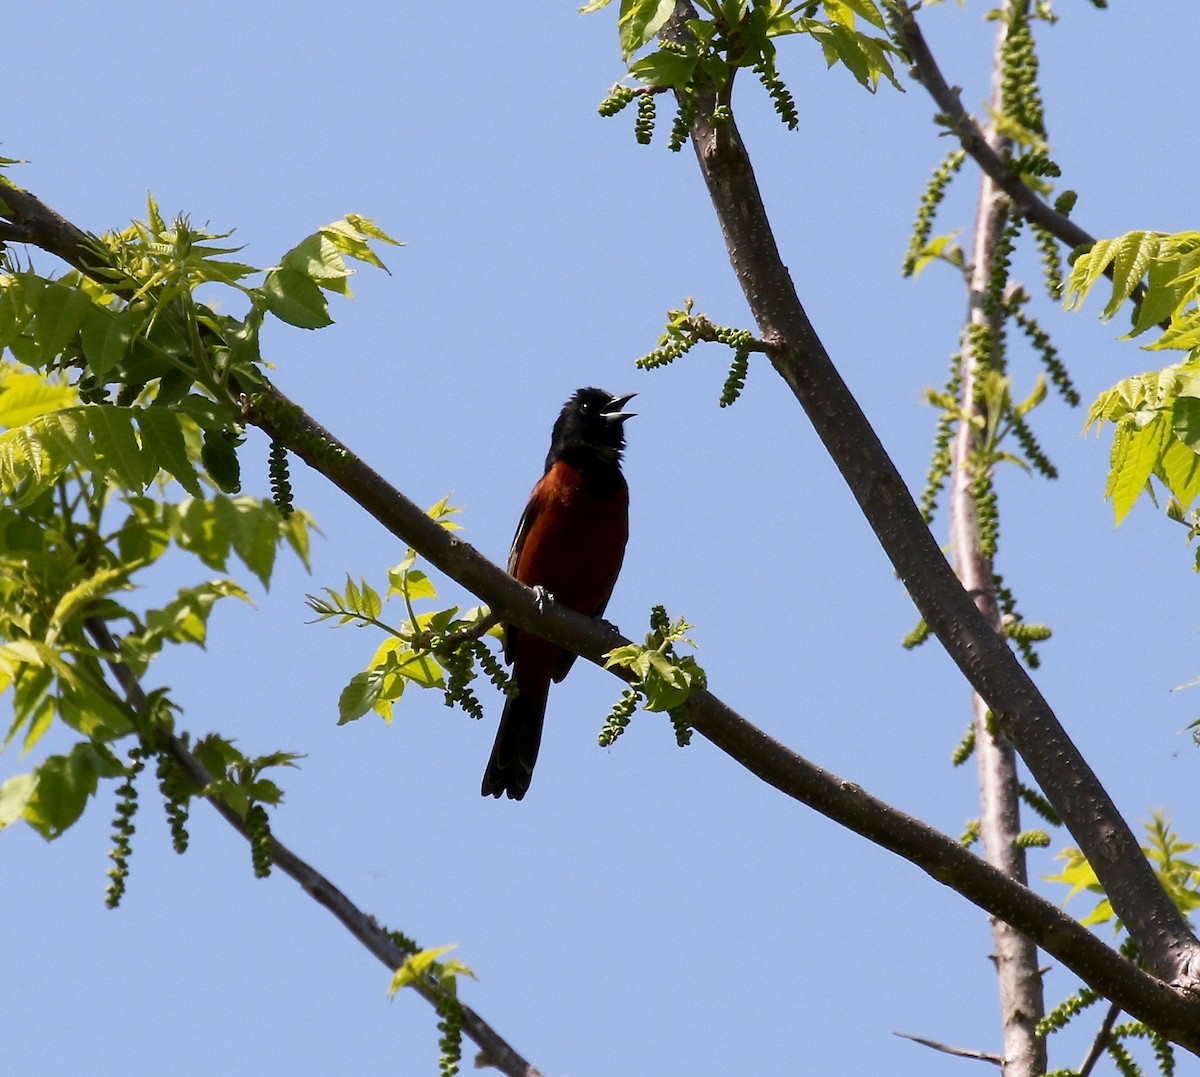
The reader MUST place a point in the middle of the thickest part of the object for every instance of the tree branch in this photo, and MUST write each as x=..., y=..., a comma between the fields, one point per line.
x=1022, y=1003
x=1173, y=1013
x=1103, y=1035
x=926, y=71
x=494, y=1049
x=958, y=1052
x=983, y=656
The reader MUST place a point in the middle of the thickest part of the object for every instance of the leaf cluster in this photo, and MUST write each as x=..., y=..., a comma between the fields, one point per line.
x=424, y=972
x=429, y=649
x=701, y=57
x=685, y=330
x=661, y=680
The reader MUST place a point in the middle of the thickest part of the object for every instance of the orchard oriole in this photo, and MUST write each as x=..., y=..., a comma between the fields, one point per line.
x=570, y=541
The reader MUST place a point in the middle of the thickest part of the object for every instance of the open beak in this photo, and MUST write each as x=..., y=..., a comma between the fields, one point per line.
x=614, y=414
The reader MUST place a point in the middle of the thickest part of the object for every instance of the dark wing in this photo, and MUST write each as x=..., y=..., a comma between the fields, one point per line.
x=514, y=559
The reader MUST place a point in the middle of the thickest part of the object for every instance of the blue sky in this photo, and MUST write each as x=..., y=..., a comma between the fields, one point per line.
x=645, y=910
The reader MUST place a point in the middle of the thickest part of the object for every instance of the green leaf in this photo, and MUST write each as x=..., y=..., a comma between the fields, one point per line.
x=639, y=21
x=28, y=396
x=866, y=9
x=359, y=695
x=219, y=456
x=163, y=441
x=423, y=964
x=15, y=794
x=1179, y=469
x=319, y=259
x=59, y=316
x=116, y=445
x=253, y=527
x=105, y=338
x=1135, y=456
x=64, y=784
x=93, y=711
x=665, y=68
x=185, y=618
x=193, y=525
x=295, y=298
x=78, y=599
x=1185, y=421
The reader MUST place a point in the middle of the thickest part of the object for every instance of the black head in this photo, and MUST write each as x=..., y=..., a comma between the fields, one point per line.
x=590, y=429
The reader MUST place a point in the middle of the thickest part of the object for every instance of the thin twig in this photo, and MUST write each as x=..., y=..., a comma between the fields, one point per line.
x=926, y=71
x=1103, y=1035
x=959, y=1052
x=495, y=1051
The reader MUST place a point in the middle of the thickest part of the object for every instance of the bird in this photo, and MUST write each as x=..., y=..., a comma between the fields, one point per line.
x=569, y=544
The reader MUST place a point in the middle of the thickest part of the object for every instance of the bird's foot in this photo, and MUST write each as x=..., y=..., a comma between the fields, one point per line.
x=542, y=597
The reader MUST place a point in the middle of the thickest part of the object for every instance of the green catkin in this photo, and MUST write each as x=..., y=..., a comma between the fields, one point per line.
x=971, y=835
x=1020, y=97
x=920, y=634
x=449, y=1012
x=939, y=467
x=1164, y=1053
x=685, y=114
x=404, y=943
x=123, y=828
x=931, y=199
x=965, y=748
x=781, y=97
x=987, y=513
x=736, y=381
x=618, y=98
x=175, y=800
x=618, y=718
x=1001, y=263
x=1040, y=340
x=644, y=125
x=492, y=669
x=1071, y=1007
x=259, y=828
x=1051, y=262
x=460, y=669
x=1065, y=202
x=281, y=486
x=1039, y=804
x=1122, y=1059
x=1032, y=839
x=669, y=349
x=1022, y=634
x=681, y=725
x=1033, y=451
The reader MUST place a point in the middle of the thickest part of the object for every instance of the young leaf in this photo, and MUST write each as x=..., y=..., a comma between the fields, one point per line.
x=295, y=298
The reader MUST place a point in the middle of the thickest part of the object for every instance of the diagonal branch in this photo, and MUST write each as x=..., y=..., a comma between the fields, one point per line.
x=1172, y=1012
x=495, y=1051
x=926, y=71
x=982, y=655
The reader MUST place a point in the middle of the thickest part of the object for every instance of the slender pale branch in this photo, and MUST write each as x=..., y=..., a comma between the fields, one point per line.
x=1015, y=956
x=1172, y=1012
